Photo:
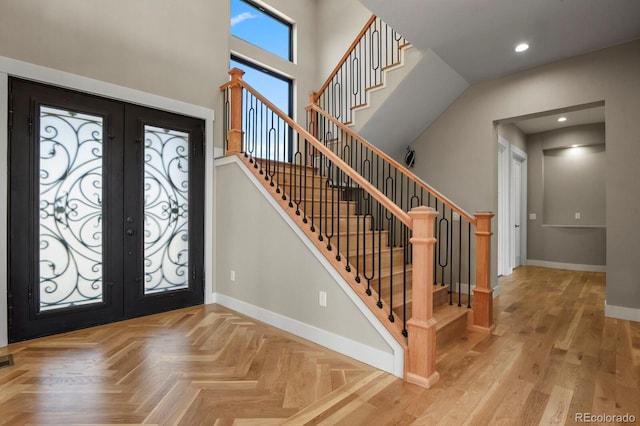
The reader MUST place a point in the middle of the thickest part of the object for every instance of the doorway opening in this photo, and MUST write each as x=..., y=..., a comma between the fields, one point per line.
x=557, y=159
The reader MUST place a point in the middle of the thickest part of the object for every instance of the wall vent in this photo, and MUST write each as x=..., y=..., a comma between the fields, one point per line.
x=6, y=360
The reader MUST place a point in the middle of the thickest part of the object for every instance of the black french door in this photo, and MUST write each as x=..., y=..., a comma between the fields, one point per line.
x=106, y=211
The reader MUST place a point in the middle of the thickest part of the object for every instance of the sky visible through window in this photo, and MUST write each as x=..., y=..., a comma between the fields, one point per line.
x=272, y=88
x=257, y=27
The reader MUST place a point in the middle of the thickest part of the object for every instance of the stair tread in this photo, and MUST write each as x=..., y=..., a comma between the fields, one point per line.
x=446, y=314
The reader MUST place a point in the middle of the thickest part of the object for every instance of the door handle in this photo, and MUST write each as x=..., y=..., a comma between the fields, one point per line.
x=130, y=232
x=517, y=226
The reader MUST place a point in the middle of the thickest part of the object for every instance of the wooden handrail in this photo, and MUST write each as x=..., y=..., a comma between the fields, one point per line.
x=345, y=57
x=395, y=164
x=335, y=159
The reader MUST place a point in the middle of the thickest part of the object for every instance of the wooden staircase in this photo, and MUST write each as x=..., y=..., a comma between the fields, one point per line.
x=384, y=245
x=451, y=319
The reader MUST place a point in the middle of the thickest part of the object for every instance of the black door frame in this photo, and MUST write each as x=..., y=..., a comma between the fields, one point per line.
x=117, y=303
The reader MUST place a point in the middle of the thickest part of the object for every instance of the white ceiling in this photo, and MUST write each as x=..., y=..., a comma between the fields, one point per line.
x=477, y=37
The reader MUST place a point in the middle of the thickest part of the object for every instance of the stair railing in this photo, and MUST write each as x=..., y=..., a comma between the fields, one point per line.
x=455, y=229
x=346, y=216
x=376, y=48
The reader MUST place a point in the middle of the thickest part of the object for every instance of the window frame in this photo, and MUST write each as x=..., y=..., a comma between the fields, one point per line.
x=257, y=67
x=274, y=16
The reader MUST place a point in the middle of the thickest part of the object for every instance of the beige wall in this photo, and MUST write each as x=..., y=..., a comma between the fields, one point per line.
x=274, y=269
x=513, y=135
x=173, y=48
x=177, y=49
x=458, y=153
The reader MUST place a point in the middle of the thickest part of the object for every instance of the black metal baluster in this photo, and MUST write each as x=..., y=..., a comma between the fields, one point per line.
x=469, y=269
x=459, y=260
x=450, y=257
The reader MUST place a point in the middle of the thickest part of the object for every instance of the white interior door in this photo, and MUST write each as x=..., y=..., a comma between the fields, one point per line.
x=504, y=230
x=516, y=176
x=518, y=207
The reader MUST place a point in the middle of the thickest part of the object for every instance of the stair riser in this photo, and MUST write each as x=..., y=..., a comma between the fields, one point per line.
x=315, y=194
x=453, y=331
x=367, y=242
x=385, y=260
x=354, y=222
x=299, y=180
x=340, y=209
x=385, y=281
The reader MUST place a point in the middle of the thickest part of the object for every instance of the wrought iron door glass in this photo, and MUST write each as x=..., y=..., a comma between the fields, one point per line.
x=166, y=214
x=70, y=209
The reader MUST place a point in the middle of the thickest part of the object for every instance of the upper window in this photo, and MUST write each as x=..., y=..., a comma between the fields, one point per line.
x=256, y=25
x=276, y=88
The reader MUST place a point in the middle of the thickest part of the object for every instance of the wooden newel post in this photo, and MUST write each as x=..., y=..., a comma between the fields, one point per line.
x=483, y=292
x=313, y=118
x=421, y=328
x=313, y=115
x=234, y=134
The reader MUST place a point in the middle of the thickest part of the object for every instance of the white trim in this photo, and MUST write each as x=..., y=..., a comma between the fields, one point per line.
x=52, y=76
x=396, y=363
x=567, y=266
x=621, y=312
x=497, y=290
x=356, y=350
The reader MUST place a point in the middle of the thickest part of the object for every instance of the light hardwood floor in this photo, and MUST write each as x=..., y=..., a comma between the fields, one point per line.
x=553, y=354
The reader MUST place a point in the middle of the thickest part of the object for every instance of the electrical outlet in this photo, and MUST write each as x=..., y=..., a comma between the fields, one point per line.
x=233, y=276
x=322, y=299
x=577, y=216
x=532, y=216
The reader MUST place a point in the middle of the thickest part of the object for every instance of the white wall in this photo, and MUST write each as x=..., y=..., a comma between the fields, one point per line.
x=458, y=153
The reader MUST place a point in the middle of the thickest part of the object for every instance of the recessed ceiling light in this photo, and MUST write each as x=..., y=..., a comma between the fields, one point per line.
x=575, y=146
x=562, y=119
x=522, y=47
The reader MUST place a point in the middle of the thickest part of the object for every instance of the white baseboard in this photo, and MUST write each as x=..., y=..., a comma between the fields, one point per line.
x=621, y=312
x=372, y=356
x=567, y=266
x=497, y=290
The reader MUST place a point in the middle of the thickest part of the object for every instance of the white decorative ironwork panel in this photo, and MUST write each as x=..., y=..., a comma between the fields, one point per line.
x=166, y=200
x=71, y=222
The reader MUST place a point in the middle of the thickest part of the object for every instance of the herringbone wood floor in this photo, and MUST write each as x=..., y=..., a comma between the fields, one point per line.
x=553, y=354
